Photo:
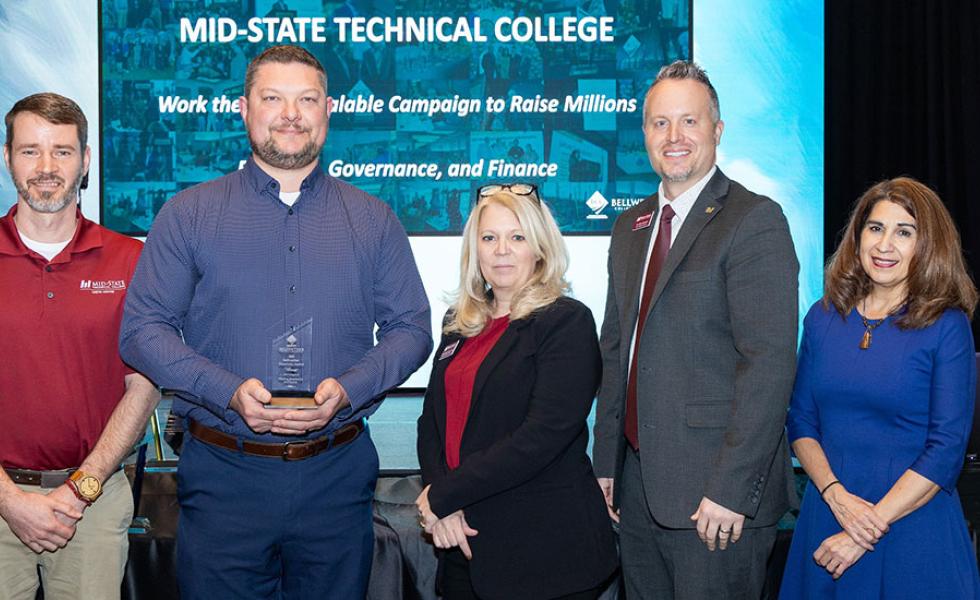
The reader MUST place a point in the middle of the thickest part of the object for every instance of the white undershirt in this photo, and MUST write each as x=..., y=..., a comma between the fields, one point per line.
x=46, y=249
x=682, y=205
x=288, y=198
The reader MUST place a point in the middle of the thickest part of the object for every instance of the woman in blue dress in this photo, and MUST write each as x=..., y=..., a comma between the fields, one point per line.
x=882, y=409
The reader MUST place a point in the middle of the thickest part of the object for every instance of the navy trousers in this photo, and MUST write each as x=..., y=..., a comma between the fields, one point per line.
x=264, y=528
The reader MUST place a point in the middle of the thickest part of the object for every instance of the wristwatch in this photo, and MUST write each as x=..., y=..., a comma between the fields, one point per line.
x=86, y=487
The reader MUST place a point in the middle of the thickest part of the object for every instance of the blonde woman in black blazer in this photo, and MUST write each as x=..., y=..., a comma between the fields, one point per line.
x=510, y=495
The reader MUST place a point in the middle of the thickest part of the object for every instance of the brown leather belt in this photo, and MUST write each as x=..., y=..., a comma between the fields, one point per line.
x=288, y=451
x=45, y=479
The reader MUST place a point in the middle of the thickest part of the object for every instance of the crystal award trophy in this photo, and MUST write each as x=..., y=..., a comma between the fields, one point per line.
x=290, y=361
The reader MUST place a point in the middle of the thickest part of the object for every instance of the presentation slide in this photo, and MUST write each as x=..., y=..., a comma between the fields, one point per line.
x=431, y=99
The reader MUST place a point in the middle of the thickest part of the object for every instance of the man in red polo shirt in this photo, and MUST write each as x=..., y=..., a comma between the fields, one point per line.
x=70, y=409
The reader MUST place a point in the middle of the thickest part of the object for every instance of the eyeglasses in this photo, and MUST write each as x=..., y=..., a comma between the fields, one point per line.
x=519, y=189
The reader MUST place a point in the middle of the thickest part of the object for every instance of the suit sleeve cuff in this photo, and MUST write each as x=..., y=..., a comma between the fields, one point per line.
x=439, y=504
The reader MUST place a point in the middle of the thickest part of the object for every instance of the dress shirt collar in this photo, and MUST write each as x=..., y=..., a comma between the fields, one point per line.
x=263, y=182
x=683, y=203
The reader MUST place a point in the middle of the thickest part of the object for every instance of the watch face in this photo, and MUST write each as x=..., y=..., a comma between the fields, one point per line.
x=89, y=487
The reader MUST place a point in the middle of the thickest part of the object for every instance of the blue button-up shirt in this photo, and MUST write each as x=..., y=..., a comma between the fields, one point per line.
x=228, y=268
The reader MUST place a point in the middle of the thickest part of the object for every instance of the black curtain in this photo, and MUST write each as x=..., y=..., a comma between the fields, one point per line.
x=903, y=98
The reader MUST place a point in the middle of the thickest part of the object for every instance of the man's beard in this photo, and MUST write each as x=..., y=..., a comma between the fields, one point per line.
x=49, y=202
x=678, y=177
x=274, y=156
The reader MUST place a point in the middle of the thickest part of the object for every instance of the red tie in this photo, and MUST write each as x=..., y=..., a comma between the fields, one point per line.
x=660, y=248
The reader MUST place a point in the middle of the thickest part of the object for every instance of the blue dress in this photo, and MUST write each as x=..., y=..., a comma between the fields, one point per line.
x=904, y=403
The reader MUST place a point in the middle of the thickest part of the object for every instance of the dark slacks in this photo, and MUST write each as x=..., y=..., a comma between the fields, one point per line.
x=456, y=585
x=255, y=527
x=662, y=564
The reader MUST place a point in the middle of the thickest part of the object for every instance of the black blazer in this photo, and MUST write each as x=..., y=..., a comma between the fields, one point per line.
x=525, y=481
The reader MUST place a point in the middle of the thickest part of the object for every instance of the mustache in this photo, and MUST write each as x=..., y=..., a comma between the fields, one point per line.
x=46, y=179
x=297, y=128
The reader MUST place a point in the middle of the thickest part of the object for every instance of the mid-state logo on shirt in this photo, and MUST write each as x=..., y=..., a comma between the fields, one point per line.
x=102, y=286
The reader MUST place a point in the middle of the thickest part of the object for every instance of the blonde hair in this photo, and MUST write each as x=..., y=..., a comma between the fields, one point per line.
x=472, y=306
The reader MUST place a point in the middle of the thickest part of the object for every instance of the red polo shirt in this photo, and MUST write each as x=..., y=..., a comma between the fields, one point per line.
x=60, y=371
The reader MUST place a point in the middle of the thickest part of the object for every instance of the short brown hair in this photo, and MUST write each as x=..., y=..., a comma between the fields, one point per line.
x=283, y=54
x=688, y=69
x=937, y=277
x=53, y=108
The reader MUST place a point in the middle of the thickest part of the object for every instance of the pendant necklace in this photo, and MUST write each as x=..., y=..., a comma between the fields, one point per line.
x=869, y=326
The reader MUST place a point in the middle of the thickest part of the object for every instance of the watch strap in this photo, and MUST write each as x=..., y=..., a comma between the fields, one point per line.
x=78, y=494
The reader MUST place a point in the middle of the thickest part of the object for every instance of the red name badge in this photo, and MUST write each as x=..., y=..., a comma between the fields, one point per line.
x=642, y=222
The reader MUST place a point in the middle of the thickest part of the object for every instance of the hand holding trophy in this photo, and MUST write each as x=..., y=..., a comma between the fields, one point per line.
x=290, y=359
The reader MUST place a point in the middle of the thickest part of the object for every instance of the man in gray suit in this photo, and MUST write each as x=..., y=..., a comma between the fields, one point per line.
x=699, y=353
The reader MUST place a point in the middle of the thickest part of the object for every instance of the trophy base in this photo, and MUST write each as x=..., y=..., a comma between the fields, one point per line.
x=292, y=399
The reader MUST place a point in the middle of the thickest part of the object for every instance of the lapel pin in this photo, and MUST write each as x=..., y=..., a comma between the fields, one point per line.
x=710, y=210
x=642, y=222
x=449, y=350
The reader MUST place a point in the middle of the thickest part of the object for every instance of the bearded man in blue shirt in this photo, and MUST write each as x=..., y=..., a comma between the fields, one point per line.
x=274, y=277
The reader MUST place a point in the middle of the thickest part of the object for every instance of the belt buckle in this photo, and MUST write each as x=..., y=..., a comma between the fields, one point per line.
x=286, y=450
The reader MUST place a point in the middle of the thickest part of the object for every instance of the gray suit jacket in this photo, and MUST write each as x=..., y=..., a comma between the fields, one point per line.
x=716, y=359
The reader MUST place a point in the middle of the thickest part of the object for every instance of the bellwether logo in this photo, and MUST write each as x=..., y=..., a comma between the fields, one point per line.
x=598, y=203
